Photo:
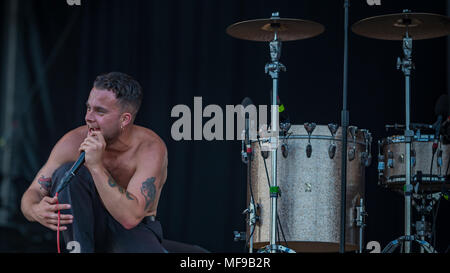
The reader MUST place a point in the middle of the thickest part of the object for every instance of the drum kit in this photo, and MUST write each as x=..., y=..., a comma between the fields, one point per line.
x=302, y=196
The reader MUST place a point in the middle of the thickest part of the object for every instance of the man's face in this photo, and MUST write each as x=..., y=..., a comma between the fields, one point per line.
x=103, y=113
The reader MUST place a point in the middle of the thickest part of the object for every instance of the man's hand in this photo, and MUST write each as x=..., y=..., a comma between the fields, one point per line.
x=93, y=147
x=46, y=213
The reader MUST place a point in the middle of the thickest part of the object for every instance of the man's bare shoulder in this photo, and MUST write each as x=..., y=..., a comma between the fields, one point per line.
x=66, y=149
x=150, y=144
x=76, y=136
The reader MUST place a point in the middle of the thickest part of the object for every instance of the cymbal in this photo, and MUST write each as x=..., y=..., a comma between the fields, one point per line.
x=393, y=26
x=263, y=30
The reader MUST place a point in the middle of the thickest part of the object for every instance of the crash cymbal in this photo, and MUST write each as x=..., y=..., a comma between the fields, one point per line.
x=393, y=26
x=263, y=30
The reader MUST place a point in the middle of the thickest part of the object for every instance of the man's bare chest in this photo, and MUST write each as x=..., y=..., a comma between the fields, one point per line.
x=121, y=169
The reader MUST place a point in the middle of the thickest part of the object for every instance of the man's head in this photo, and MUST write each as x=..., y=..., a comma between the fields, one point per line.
x=113, y=103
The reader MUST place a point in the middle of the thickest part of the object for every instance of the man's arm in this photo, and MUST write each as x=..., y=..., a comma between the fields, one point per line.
x=128, y=206
x=36, y=205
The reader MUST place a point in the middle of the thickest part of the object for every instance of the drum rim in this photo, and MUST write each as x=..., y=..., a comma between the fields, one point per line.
x=400, y=178
x=401, y=139
x=316, y=137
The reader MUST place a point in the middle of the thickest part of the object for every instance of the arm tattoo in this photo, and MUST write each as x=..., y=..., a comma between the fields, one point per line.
x=45, y=182
x=149, y=191
x=113, y=183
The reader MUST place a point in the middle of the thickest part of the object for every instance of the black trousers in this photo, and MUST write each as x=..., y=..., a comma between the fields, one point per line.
x=93, y=228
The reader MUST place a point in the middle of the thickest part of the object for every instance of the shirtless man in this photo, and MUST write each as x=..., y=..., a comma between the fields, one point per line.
x=111, y=204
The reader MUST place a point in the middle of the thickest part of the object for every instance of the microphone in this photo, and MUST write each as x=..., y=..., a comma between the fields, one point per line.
x=246, y=151
x=71, y=173
x=441, y=111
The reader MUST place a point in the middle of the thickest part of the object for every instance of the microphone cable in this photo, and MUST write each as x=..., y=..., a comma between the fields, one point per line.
x=59, y=220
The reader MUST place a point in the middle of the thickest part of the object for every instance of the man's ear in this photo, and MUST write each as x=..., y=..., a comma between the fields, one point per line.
x=125, y=119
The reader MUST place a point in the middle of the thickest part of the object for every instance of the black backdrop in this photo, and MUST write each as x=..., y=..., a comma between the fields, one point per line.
x=179, y=49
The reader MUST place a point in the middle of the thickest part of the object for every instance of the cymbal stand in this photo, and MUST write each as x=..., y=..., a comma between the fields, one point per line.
x=274, y=68
x=406, y=65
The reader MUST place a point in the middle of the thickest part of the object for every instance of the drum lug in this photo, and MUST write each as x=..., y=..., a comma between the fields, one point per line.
x=439, y=158
x=332, y=150
x=285, y=150
x=333, y=127
x=308, y=150
x=366, y=159
x=367, y=136
x=352, y=130
x=390, y=159
x=381, y=167
x=351, y=154
x=381, y=162
x=413, y=158
x=309, y=127
x=368, y=141
x=369, y=160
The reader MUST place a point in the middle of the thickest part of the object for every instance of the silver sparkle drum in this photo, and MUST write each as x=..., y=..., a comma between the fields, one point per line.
x=309, y=177
x=392, y=165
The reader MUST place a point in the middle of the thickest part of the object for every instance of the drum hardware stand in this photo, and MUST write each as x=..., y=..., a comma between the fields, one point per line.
x=253, y=218
x=273, y=69
x=278, y=248
x=411, y=238
x=274, y=30
x=390, y=27
x=345, y=122
x=406, y=65
x=247, y=158
x=423, y=228
x=360, y=220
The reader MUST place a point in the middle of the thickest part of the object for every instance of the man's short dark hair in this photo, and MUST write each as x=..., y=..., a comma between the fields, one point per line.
x=127, y=90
